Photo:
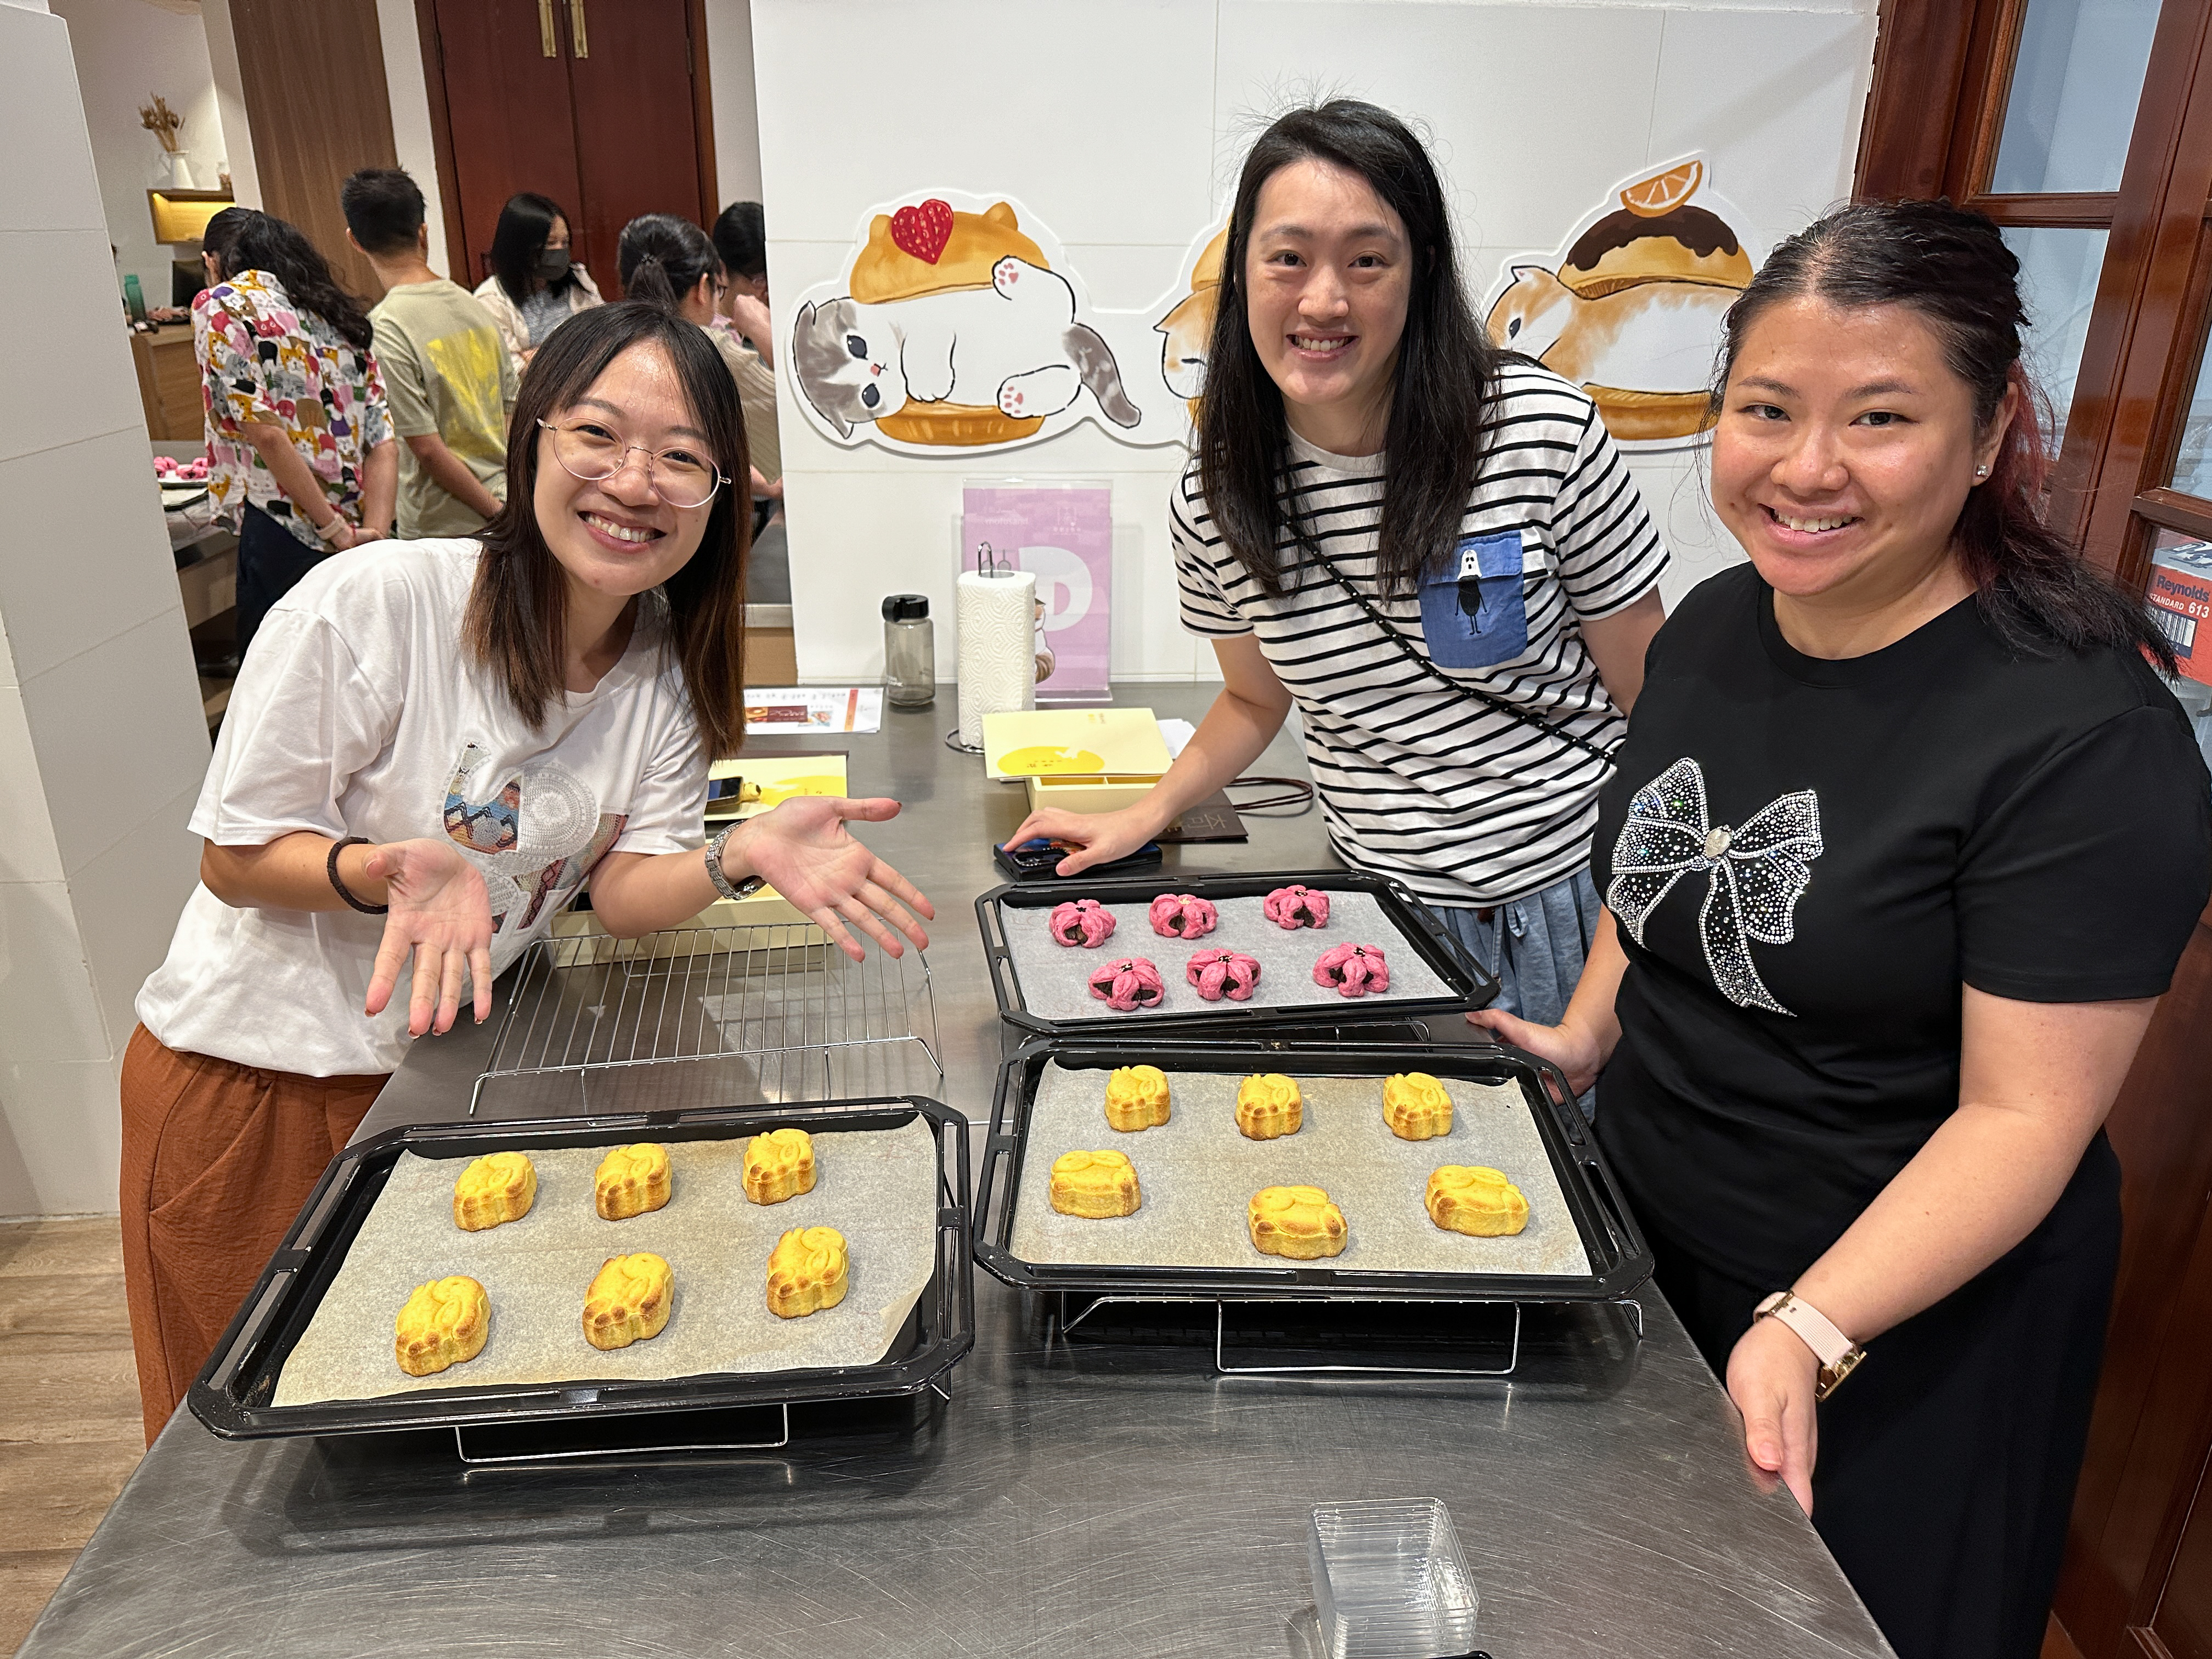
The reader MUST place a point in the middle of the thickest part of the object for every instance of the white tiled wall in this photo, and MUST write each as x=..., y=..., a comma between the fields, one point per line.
x=101, y=743
x=1121, y=123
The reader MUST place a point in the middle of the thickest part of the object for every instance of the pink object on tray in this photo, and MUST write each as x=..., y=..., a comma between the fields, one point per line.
x=1295, y=906
x=1353, y=970
x=1182, y=915
x=1219, y=974
x=1130, y=983
x=1081, y=922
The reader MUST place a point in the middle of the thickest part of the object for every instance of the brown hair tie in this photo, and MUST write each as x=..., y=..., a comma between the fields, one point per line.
x=336, y=848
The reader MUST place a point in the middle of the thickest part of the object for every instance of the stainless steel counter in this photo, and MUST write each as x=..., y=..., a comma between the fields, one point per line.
x=1074, y=1498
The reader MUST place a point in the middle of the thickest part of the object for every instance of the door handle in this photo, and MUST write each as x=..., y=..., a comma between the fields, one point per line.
x=579, y=40
x=548, y=42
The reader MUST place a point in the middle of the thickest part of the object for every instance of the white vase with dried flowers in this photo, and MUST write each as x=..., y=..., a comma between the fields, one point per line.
x=165, y=124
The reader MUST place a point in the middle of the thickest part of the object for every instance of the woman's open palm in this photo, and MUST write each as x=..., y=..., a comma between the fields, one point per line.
x=441, y=913
x=809, y=856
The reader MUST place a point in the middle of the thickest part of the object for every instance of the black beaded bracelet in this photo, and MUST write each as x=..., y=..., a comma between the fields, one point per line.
x=337, y=848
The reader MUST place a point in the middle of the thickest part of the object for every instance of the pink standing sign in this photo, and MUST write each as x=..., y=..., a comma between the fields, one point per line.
x=1063, y=535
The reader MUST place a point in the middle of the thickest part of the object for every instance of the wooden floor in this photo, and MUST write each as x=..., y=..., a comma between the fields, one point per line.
x=70, y=1431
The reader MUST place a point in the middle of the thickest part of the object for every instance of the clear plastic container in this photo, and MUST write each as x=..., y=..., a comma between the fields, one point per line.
x=910, y=651
x=1389, y=1581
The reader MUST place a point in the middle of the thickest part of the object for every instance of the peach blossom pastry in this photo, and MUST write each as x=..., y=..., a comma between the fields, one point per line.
x=1416, y=1107
x=1219, y=974
x=1464, y=1198
x=1097, y=1186
x=1269, y=1106
x=1081, y=922
x=1296, y=906
x=1353, y=970
x=1299, y=1222
x=443, y=1324
x=629, y=1300
x=630, y=1180
x=1130, y=983
x=779, y=1165
x=1182, y=915
x=809, y=1270
x=496, y=1188
x=1136, y=1097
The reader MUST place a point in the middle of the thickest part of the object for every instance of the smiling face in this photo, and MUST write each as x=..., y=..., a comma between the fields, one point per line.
x=1846, y=449
x=616, y=538
x=1328, y=277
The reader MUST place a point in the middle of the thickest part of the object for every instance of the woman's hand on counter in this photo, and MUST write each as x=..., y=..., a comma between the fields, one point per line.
x=1098, y=837
x=441, y=913
x=1773, y=1377
x=807, y=854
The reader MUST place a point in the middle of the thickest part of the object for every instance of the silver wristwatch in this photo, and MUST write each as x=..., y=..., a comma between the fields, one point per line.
x=723, y=885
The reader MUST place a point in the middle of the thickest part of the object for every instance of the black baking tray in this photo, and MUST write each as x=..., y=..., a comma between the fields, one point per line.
x=1470, y=985
x=232, y=1395
x=1616, y=1248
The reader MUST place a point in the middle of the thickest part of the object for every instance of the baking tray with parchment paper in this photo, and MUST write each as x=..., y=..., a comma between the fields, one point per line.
x=1041, y=986
x=330, y=1289
x=1187, y=1238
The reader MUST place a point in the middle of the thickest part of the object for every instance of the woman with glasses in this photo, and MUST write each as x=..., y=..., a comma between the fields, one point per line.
x=434, y=747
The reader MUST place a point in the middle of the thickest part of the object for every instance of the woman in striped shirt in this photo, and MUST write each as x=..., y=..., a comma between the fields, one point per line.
x=1432, y=549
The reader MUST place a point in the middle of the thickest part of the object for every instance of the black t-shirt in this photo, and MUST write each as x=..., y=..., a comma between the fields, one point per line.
x=1807, y=857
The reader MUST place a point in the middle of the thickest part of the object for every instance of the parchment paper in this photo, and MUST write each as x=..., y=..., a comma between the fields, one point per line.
x=1055, y=977
x=1196, y=1173
x=877, y=1187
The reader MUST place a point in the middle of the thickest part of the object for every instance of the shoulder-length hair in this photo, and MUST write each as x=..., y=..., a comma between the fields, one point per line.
x=524, y=224
x=264, y=242
x=1446, y=371
x=518, y=613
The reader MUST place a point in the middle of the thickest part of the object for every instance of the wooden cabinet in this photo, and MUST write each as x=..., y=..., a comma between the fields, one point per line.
x=600, y=105
x=169, y=383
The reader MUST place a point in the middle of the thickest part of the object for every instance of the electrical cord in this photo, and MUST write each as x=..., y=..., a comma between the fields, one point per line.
x=1295, y=792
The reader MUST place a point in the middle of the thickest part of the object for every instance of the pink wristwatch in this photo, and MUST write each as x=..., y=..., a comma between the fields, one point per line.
x=1838, y=1355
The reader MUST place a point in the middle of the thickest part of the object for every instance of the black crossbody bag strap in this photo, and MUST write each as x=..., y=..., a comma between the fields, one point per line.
x=1475, y=693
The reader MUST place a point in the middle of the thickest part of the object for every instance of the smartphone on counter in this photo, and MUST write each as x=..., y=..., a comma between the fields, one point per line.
x=1038, y=859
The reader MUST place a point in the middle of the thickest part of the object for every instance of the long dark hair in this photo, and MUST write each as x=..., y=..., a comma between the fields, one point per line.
x=1446, y=370
x=518, y=611
x=264, y=242
x=661, y=258
x=1951, y=265
x=741, y=238
x=524, y=224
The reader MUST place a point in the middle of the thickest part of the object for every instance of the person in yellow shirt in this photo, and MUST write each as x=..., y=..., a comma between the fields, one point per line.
x=447, y=377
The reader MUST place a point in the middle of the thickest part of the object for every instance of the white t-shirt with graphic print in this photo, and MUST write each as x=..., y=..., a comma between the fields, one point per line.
x=359, y=712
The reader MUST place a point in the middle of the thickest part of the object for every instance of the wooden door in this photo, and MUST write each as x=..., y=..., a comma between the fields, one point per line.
x=500, y=68
x=600, y=105
x=630, y=74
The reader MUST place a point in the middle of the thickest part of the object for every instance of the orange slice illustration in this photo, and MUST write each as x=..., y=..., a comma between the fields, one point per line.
x=1663, y=193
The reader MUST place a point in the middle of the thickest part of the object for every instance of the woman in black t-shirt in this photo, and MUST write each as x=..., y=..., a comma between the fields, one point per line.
x=1905, y=843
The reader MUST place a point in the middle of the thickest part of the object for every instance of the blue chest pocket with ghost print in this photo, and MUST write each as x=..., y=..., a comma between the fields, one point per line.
x=1475, y=611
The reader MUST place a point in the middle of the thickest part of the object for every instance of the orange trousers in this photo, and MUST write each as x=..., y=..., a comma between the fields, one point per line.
x=217, y=1159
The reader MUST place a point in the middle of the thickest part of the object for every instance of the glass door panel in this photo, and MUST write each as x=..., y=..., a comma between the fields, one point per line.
x=2192, y=473
x=2058, y=272
x=2071, y=107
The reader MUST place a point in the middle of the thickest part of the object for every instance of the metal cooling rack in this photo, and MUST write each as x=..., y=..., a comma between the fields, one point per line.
x=803, y=1020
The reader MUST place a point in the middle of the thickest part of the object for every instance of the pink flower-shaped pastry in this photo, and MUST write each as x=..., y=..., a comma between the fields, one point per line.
x=1129, y=984
x=1181, y=915
x=1084, y=921
x=1353, y=970
x=1219, y=974
x=1295, y=906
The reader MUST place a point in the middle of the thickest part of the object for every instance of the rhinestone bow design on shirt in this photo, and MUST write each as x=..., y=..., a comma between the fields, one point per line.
x=1755, y=874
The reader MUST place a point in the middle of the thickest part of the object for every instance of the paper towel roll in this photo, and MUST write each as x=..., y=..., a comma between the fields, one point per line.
x=996, y=616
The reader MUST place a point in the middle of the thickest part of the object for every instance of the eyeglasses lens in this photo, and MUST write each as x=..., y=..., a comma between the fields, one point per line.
x=679, y=477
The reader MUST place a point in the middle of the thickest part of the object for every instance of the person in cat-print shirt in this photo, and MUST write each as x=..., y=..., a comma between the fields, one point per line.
x=1462, y=656
x=432, y=747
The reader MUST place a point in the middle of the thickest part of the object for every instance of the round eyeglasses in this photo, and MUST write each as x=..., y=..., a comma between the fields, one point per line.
x=595, y=453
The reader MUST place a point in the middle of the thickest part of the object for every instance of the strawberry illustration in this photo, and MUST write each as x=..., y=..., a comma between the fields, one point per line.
x=923, y=231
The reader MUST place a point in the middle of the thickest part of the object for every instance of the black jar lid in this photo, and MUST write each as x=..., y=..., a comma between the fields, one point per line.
x=906, y=607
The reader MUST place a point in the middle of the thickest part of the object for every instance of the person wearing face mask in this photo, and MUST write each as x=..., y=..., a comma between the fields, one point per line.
x=432, y=747
x=1904, y=844
x=670, y=263
x=1433, y=551
x=535, y=284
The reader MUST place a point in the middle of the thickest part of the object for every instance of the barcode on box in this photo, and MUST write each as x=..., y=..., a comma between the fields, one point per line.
x=2182, y=630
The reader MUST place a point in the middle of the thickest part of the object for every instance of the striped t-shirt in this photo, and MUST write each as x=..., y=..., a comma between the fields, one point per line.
x=1461, y=802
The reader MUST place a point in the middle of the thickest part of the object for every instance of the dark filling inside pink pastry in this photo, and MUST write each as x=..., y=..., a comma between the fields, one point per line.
x=1219, y=974
x=1353, y=970
x=1132, y=982
x=1084, y=921
x=1296, y=906
x=1182, y=915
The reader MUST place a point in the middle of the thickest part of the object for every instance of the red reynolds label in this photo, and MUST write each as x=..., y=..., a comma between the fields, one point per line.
x=2181, y=599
